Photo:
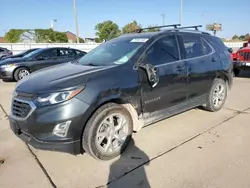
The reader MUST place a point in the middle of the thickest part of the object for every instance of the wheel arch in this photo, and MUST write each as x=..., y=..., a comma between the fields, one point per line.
x=22, y=66
x=137, y=121
x=226, y=78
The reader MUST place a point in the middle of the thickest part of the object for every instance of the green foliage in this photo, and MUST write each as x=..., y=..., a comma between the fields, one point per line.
x=48, y=35
x=107, y=30
x=13, y=35
x=131, y=27
x=98, y=40
x=152, y=29
x=81, y=40
x=235, y=37
x=38, y=35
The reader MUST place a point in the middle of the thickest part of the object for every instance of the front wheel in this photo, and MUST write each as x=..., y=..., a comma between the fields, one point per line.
x=20, y=73
x=217, y=95
x=108, y=132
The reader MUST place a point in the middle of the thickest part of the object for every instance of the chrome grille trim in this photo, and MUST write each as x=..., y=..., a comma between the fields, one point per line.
x=31, y=105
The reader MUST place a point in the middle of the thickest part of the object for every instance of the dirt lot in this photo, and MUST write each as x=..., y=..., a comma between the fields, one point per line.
x=194, y=149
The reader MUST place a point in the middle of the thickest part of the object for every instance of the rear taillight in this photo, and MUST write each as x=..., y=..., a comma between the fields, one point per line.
x=10, y=52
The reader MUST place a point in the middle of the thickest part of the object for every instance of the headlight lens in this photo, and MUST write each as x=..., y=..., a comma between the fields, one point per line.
x=54, y=98
x=8, y=66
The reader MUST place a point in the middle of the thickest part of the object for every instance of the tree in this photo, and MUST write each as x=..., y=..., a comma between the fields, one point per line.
x=49, y=35
x=235, y=37
x=131, y=27
x=13, y=35
x=107, y=30
x=152, y=29
x=81, y=40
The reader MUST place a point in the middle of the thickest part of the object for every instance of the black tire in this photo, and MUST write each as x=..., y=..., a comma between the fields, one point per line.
x=92, y=126
x=210, y=106
x=17, y=72
x=236, y=72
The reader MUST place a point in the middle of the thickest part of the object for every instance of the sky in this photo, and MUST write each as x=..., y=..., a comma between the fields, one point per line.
x=30, y=14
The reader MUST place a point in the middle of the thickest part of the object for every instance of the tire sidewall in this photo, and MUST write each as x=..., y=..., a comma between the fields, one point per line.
x=16, y=74
x=94, y=125
x=215, y=84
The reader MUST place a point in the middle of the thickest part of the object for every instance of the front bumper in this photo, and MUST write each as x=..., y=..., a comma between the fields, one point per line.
x=6, y=73
x=241, y=65
x=37, y=128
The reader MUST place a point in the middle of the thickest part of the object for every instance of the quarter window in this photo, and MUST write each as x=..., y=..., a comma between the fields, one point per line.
x=206, y=47
x=193, y=46
x=163, y=51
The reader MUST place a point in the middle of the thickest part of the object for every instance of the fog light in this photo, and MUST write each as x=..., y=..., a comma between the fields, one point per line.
x=61, y=129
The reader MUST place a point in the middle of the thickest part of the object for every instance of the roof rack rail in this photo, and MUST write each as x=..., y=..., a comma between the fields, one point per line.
x=189, y=27
x=158, y=27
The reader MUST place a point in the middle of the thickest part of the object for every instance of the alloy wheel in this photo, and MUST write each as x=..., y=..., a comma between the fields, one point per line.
x=112, y=133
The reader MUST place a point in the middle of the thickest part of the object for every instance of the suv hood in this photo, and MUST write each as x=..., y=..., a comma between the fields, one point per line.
x=58, y=78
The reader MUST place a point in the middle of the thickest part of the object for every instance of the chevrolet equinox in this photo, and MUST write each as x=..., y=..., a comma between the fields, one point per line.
x=96, y=103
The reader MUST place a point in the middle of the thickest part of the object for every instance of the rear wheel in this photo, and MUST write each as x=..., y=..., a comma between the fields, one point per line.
x=217, y=95
x=108, y=132
x=20, y=73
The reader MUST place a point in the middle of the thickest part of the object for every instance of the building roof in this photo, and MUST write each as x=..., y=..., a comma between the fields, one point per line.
x=3, y=40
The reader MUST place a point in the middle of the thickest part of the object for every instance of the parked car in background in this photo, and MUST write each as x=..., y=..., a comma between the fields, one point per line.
x=18, y=68
x=122, y=85
x=242, y=60
x=21, y=54
x=4, y=52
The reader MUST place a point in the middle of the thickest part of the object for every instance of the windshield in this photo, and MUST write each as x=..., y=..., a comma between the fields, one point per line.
x=114, y=52
x=32, y=54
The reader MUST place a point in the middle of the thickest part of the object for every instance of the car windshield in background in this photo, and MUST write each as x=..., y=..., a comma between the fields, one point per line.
x=114, y=52
x=32, y=54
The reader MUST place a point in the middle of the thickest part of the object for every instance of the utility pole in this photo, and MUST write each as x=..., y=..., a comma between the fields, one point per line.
x=52, y=26
x=75, y=15
x=180, y=22
x=163, y=19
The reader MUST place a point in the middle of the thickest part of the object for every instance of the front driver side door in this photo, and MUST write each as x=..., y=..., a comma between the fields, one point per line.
x=45, y=59
x=171, y=89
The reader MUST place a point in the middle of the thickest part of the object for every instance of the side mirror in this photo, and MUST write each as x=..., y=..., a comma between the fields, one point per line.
x=152, y=73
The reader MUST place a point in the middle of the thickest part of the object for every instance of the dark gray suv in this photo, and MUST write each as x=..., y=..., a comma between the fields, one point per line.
x=119, y=87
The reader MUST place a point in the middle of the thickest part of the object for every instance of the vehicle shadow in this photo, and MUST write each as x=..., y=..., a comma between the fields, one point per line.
x=244, y=74
x=8, y=80
x=132, y=163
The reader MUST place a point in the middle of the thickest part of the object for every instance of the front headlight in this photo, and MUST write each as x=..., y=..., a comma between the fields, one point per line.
x=8, y=66
x=54, y=98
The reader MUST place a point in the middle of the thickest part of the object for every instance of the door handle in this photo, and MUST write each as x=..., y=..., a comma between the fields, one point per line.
x=214, y=59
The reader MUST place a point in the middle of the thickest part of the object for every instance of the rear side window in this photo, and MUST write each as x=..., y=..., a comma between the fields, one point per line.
x=193, y=46
x=217, y=44
x=164, y=50
x=49, y=54
x=206, y=47
x=1, y=50
x=66, y=53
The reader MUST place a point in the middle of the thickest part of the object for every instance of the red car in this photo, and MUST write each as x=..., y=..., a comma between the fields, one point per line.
x=241, y=58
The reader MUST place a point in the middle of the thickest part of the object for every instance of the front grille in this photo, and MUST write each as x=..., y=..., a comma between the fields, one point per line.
x=246, y=56
x=20, y=109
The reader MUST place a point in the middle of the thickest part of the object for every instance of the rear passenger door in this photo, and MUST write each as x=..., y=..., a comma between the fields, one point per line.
x=171, y=89
x=65, y=55
x=198, y=55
